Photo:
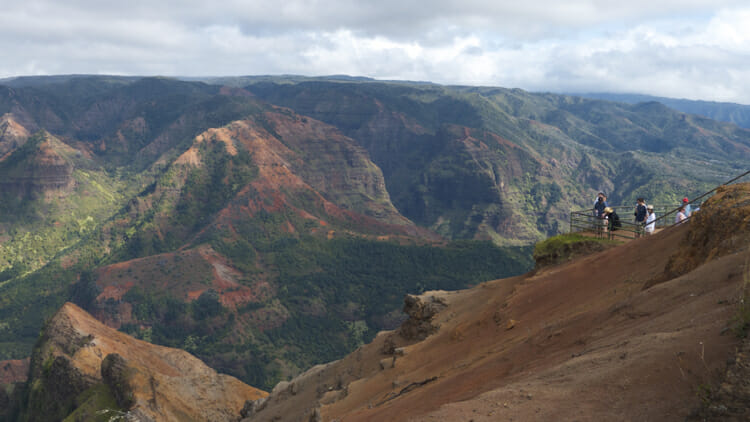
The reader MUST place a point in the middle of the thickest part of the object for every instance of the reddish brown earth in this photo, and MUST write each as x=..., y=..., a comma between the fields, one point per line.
x=633, y=333
x=13, y=371
x=295, y=162
x=185, y=274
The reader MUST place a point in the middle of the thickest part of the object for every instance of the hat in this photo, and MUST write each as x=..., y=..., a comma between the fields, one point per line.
x=650, y=207
x=608, y=210
x=685, y=200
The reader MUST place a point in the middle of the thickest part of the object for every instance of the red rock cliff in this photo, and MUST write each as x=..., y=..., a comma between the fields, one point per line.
x=77, y=353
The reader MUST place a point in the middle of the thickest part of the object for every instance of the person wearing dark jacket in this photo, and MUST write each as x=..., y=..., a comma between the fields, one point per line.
x=640, y=211
x=640, y=216
x=599, y=222
x=600, y=205
x=613, y=220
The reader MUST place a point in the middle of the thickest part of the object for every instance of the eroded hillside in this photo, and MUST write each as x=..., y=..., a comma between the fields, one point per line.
x=593, y=339
x=84, y=370
x=508, y=165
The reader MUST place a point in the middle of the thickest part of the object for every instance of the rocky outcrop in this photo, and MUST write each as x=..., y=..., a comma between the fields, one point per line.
x=730, y=401
x=421, y=311
x=312, y=386
x=12, y=134
x=77, y=356
x=304, y=397
x=119, y=378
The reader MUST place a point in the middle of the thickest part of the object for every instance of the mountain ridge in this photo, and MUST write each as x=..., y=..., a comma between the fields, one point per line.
x=738, y=114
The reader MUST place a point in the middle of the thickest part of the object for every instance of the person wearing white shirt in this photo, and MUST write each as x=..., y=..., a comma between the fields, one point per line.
x=650, y=220
x=680, y=216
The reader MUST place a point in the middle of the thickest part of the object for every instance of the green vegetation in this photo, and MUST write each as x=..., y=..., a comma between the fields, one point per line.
x=180, y=203
x=209, y=188
x=353, y=283
x=96, y=404
x=563, y=247
x=557, y=242
x=39, y=226
x=360, y=281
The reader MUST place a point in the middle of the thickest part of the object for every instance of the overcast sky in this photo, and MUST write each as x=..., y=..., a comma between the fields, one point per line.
x=696, y=49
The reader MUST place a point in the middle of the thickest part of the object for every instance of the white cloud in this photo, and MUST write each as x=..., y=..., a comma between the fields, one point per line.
x=679, y=48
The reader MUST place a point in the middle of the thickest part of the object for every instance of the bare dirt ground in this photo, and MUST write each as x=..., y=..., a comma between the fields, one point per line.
x=13, y=371
x=639, y=332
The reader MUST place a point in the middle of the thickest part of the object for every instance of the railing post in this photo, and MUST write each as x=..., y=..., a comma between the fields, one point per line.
x=571, y=223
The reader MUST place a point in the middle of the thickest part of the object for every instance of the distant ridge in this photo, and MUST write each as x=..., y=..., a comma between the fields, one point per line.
x=25, y=81
x=242, y=81
x=738, y=114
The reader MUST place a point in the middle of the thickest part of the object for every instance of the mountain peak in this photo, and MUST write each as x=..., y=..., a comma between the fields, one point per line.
x=77, y=355
x=12, y=134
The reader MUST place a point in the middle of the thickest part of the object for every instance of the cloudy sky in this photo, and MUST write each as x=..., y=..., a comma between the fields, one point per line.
x=697, y=49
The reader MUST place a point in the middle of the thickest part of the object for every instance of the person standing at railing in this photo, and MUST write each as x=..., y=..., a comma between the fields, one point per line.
x=688, y=208
x=650, y=220
x=640, y=211
x=599, y=206
x=640, y=215
x=613, y=219
x=680, y=217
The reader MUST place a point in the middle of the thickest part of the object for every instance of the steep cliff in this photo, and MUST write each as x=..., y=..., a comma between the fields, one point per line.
x=12, y=134
x=81, y=367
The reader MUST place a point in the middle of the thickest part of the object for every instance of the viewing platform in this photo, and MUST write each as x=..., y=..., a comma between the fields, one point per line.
x=585, y=222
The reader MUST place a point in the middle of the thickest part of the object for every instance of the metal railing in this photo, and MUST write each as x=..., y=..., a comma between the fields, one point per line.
x=695, y=200
x=587, y=221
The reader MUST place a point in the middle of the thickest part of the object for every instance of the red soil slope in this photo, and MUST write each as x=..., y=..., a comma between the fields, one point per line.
x=633, y=333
